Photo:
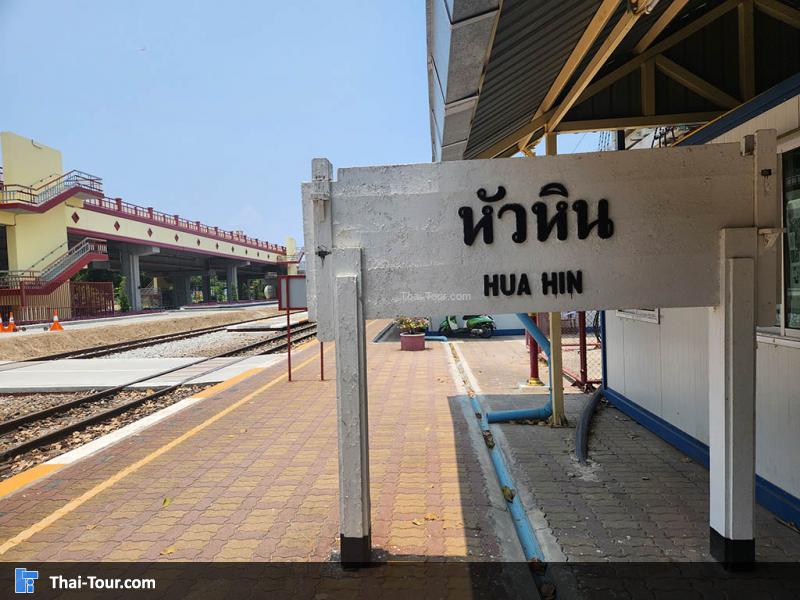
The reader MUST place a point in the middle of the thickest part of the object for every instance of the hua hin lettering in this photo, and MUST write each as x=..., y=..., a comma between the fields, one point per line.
x=545, y=222
x=553, y=283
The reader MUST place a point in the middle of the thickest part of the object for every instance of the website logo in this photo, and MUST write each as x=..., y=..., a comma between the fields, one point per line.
x=24, y=580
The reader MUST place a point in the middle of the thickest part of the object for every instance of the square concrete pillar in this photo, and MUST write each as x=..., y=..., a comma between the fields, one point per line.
x=206, y=288
x=732, y=407
x=130, y=270
x=232, y=279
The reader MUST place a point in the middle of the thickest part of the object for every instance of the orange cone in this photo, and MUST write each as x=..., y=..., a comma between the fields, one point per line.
x=56, y=326
x=11, y=327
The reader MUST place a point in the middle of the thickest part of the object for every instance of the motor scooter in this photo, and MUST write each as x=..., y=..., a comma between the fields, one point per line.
x=473, y=325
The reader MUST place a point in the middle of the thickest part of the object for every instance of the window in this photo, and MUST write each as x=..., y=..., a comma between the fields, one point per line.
x=649, y=315
x=791, y=244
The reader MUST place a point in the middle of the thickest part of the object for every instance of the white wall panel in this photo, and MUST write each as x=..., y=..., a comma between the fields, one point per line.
x=778, y=415
x=684, y=374
x=643, y=364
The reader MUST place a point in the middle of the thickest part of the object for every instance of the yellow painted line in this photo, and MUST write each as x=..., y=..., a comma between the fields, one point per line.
x=119, y=476
x=227, y=383
x=12, y=484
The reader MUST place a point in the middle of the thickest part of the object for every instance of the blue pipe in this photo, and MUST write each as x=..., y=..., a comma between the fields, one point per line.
x=527, y=538
x=435, y=338
x=537, y=334
x=533, y=414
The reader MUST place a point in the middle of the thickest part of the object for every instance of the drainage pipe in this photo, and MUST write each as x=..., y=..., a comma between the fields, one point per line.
x=584, y=424
x=435, y=338
x=527, y=538
x=532, y=414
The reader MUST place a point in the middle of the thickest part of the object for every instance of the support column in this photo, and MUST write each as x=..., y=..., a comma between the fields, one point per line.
x=129, y=256
x=183, y=289
x=232, y=282
x=732, y=391
x=130, y=270
x=555, y=366
x=351, y=405
x=206, y=287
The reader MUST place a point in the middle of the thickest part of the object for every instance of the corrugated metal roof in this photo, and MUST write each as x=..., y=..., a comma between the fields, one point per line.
x=531, y=44
x=533, y=39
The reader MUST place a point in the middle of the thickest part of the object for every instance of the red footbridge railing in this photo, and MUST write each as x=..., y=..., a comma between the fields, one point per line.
x=149, y=215
x=90, y=187
x=57, y=271
x=74, y=181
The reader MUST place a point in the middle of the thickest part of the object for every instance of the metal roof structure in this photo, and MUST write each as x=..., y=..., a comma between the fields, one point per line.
x=503, y=73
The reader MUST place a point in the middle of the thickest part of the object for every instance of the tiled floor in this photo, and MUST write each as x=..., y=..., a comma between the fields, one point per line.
x=260, y=482
x=640, y=499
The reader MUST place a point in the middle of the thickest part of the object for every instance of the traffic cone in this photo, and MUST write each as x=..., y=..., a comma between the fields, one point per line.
x=11, y=327
x=56, y=326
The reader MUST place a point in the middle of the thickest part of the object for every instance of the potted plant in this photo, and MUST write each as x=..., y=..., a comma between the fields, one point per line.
x=412, y=332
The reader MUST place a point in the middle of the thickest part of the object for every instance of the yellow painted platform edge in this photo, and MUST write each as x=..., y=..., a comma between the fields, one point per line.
x=223, y=385
x=100, y=487
x=27, y=477
x=34, y=474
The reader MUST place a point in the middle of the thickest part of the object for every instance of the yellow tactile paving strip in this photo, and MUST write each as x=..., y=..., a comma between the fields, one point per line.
x=251, y=474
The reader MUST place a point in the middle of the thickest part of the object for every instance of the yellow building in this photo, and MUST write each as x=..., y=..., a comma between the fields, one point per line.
x=53, y=224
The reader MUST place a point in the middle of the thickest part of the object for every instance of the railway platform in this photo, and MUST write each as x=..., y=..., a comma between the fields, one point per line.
x=250, y=474
x=247, y=471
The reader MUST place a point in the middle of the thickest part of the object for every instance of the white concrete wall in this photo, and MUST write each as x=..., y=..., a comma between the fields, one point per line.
x=663, y=366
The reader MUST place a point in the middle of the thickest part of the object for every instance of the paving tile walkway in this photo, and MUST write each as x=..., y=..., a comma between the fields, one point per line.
x=639, y=500
x=251, y=475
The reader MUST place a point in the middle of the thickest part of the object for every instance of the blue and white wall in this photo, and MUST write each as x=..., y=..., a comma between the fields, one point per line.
x=658, y=371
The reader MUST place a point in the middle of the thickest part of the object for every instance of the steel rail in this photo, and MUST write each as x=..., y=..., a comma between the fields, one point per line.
x=58, y=433
x=126, y=345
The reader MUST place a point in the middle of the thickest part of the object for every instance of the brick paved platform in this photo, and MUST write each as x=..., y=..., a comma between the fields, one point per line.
x=640, y=499
x=250, y=474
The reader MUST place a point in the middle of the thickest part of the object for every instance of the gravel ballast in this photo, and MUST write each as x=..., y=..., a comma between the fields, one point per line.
x=209, y=344
x=79, y=438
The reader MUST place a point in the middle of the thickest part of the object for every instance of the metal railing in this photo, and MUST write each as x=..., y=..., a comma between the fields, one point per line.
x=73, y=255
x=50, y=189
x=118, y=206
x=31, y=279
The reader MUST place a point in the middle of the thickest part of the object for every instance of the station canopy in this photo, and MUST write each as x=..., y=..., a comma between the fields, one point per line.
x=501, y=74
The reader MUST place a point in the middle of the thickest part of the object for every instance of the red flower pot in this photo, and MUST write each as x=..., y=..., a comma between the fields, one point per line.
x=412, y=341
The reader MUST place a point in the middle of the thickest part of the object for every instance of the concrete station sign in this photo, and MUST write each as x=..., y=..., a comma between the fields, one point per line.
x=588, y=231
x=678, y=227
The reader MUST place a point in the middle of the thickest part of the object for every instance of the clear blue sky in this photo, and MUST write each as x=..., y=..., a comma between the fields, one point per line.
x=213, y=110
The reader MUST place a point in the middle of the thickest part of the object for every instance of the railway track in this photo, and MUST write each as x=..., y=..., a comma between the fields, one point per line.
x=12, y=430
x=107, y=349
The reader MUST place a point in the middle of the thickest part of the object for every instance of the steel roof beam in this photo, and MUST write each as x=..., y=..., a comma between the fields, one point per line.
x=660, y=25
x=694, y=83
x=536, y=126
x=587, y=39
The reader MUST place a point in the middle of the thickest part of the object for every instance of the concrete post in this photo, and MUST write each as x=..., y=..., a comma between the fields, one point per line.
x=130, y=270
x=555, y=367
x=732, y=376
x=206, y=287
x=183, y=289
x=129, y=256
x=351, y=404
x=232, y=282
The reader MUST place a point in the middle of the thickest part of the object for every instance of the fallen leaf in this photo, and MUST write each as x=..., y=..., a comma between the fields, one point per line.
x=431, y=517
x=417, y=521
x=91, y=527
x=166, y=502
x=508, y=493
x=167, y=550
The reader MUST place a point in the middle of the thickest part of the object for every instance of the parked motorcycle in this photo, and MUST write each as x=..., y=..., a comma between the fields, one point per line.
x=473, y=325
